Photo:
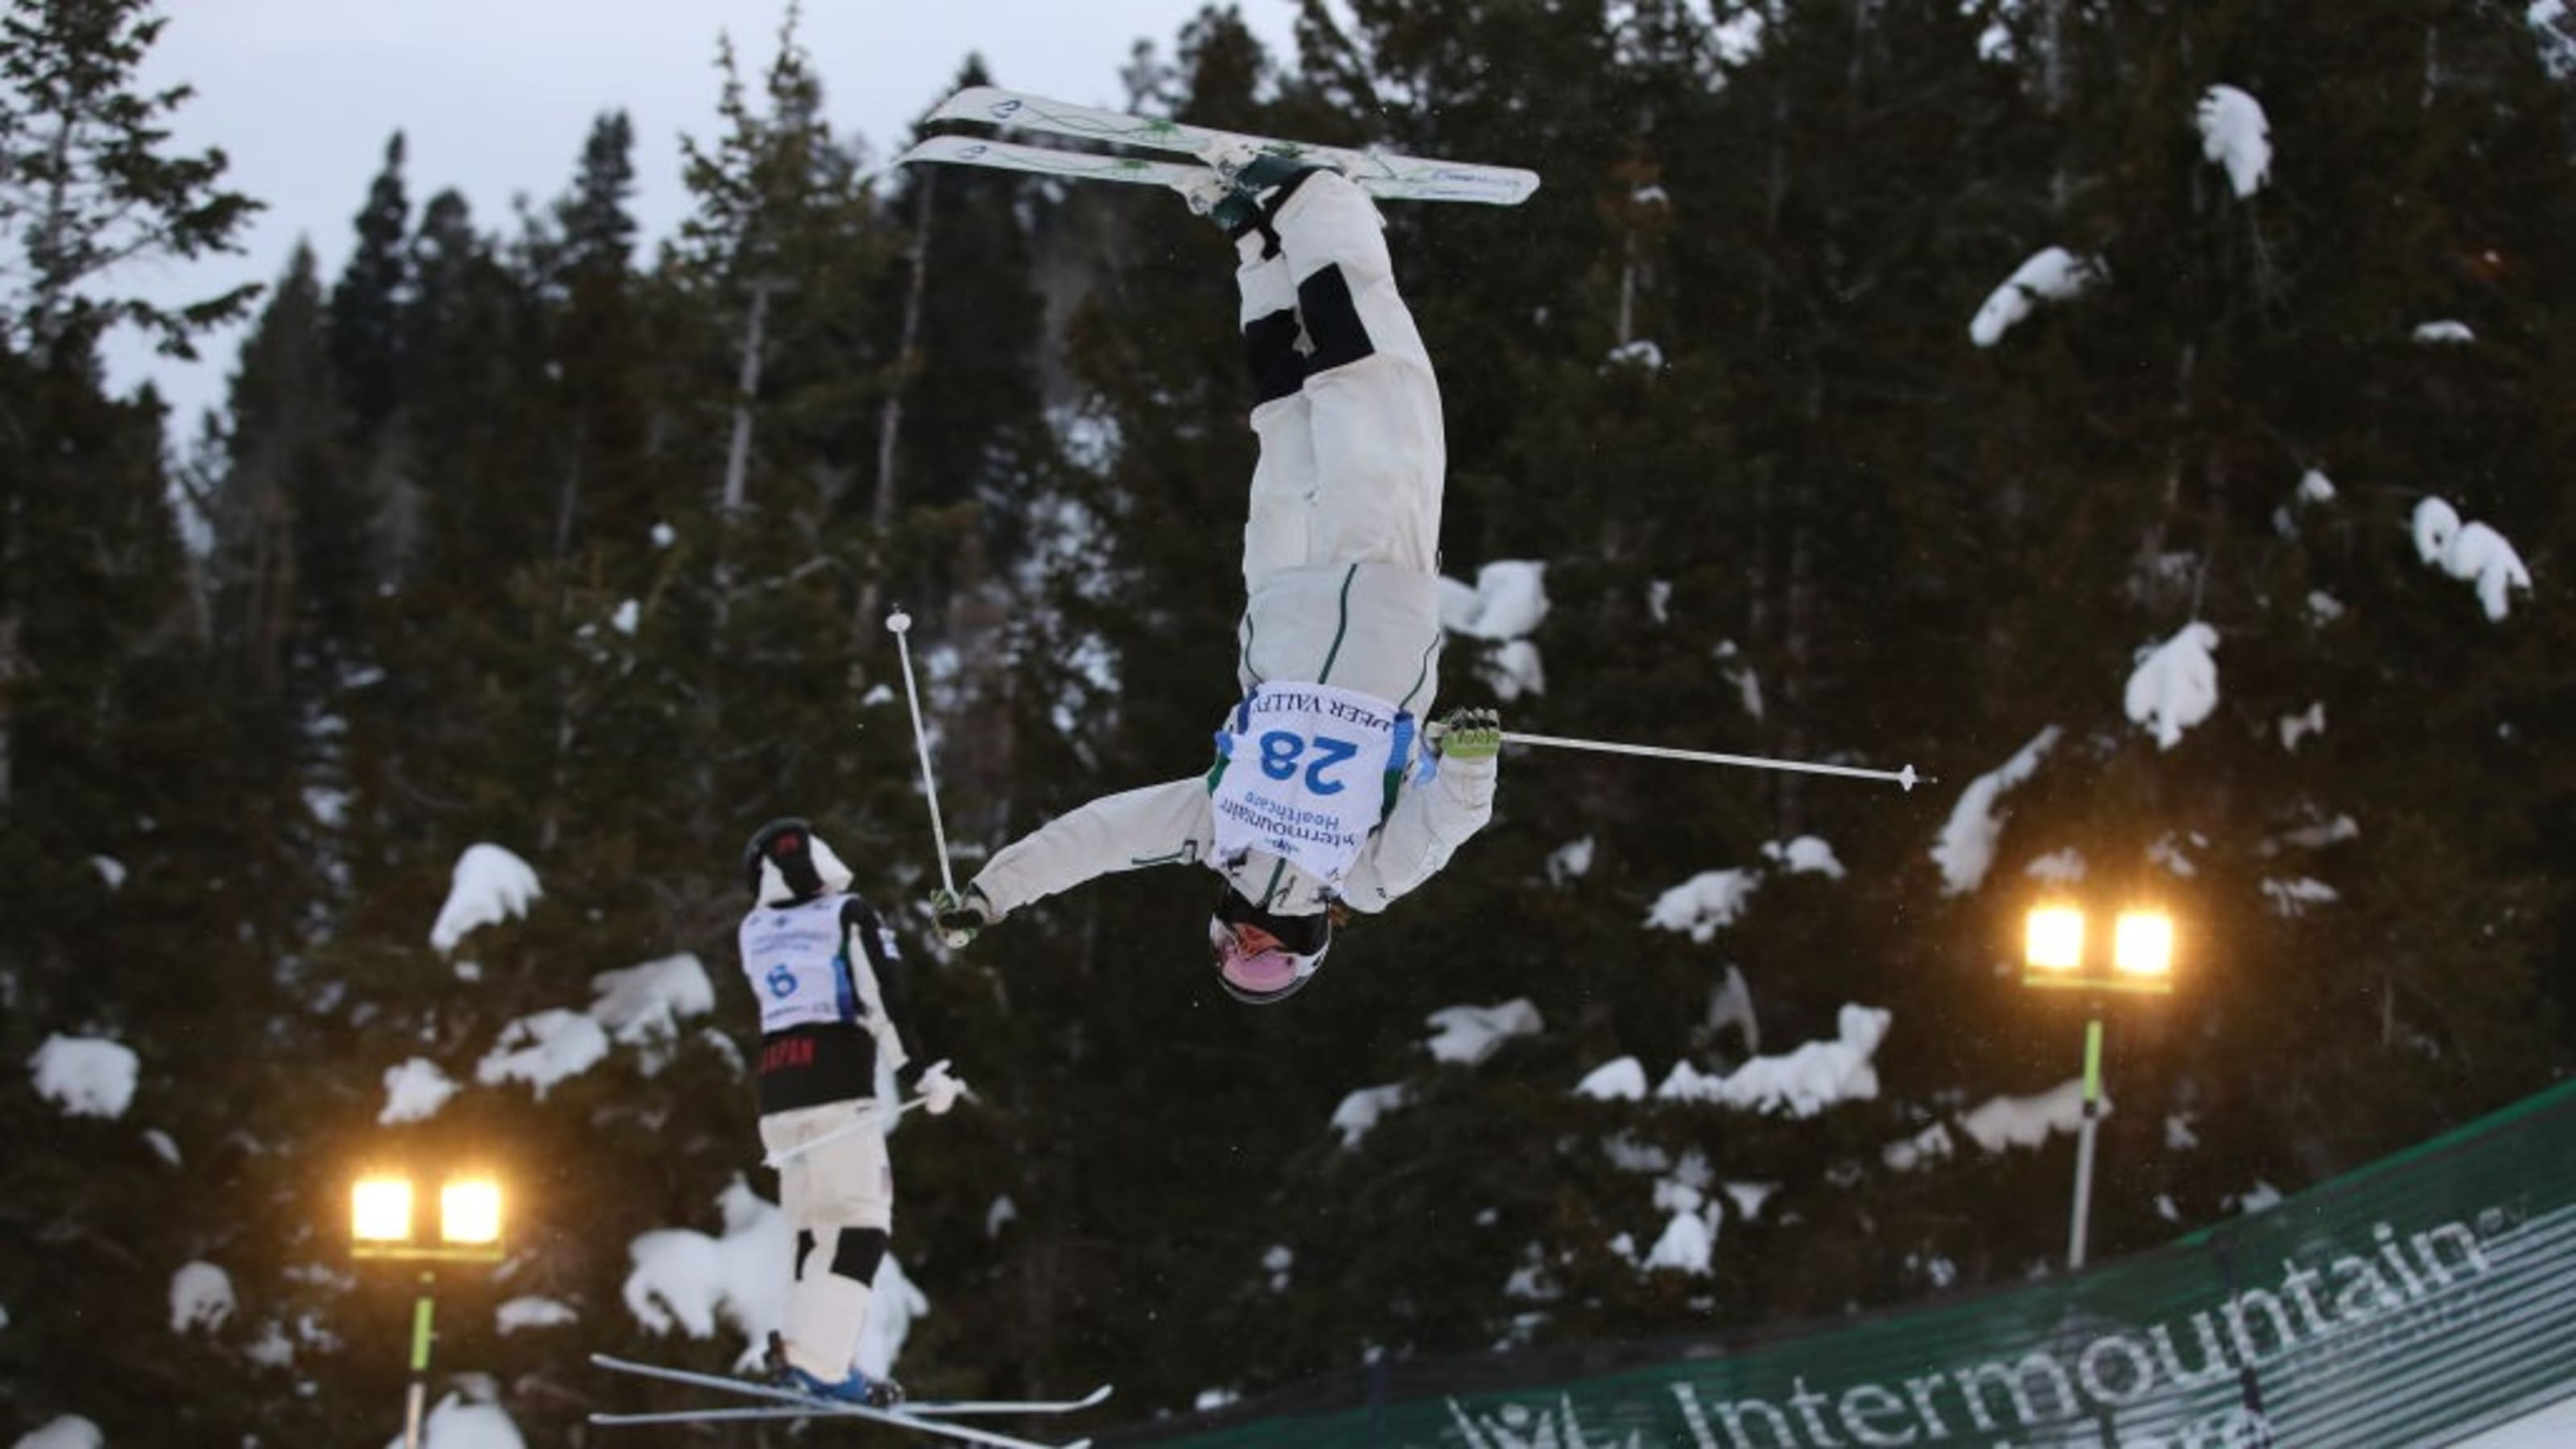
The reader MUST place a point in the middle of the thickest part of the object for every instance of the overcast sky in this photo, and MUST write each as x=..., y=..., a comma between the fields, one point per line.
x=494, y=98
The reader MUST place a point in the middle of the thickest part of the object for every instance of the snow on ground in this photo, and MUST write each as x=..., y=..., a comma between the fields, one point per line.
x=2175, y=685
x=544, y=1049
x=2444, y=333
x=86, y=1076
x=414, y=1091
x=490, y=885
x=2235, y=133
x=532, y=1312
x=201, y=1296
x=1469, y=1034
x=71, y=1431
x=1802, y=1082
x=2051, y=274
x=1703, y=904
x=1966, y=849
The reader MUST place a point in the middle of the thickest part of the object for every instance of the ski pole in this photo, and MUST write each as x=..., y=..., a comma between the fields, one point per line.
x=863, y=1122
x=1904, y=777
x=901, y=624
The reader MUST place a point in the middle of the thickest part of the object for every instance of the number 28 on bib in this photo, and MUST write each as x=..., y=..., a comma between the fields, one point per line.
x=1304, y=774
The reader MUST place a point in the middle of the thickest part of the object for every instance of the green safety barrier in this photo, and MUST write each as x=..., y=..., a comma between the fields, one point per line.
x=2417, y=1301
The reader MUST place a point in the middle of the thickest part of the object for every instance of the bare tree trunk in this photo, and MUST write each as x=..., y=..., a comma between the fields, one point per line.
x=746, y=391
x=881, y=509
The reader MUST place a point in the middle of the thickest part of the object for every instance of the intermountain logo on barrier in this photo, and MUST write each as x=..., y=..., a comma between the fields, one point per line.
x=2414, y=1302
x=2312, y=1309
x=1514, y=1427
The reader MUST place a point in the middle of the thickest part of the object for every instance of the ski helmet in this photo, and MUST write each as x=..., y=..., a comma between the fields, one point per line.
x=1264, y=957
x=786, y=862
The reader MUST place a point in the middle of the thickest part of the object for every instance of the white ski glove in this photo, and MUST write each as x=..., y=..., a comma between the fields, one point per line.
x=939, y=1091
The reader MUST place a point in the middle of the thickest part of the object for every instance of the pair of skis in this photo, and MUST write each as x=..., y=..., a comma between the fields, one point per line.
x=940, y=1418
x=1381, y=174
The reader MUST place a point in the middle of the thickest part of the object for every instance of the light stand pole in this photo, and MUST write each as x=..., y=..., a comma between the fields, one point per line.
x=2084, y=1136
x=2054, y=958
x=469, y=1228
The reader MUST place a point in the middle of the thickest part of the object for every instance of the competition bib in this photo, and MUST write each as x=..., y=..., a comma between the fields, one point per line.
x=1304, y=775
x=793, y=955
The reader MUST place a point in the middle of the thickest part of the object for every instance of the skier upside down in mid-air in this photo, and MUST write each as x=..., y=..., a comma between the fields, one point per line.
x=1324, y=795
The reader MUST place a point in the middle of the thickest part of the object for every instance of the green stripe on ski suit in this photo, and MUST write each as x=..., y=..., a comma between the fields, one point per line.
x=1342, y=629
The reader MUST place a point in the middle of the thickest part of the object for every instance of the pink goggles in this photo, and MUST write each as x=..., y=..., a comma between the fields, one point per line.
x=1257, y=973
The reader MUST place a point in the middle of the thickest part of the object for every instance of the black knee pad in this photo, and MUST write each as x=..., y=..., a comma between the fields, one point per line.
x=1332, y=319
x=857, y=1254
x=1270, y=347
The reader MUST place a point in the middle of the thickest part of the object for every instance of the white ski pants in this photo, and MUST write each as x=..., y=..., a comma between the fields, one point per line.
x=844, y=1187
x=1347, y=410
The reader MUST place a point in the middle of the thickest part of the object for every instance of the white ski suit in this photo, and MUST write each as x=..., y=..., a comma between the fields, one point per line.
x=1340, y=573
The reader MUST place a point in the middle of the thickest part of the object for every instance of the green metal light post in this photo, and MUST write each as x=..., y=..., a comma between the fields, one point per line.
x=381, y=1228
x=2054, y=958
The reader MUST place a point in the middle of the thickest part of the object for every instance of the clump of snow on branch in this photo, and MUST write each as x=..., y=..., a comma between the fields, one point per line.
x=2058, y=867
x=201, y=1296
x=647, y=1003
x=1802, y=1082
x=490, y=885
x=1806, y=855
x=2444, y=333
x=1506, y=606
x=1623, y=1080
x=2316, y=487
x=2292, y=898
x=532, y=1312
x=1704, y=904
x=414, y=1091
x=110, y=870
x=2296, y=727
x=544, y=1049
x=1689, y=1239
x=2175, y=685
x=2471, y=551
x=69, y=1431
x=1570, y=861
x=1641, y=354
x=1468, y=1035
x=1966, y=849
x=1736, y=671
x=2235, y=134
x=462, y=1422
x=86, y=1076
x=2052, y=274
x=1359, y=1112
x=2028, y=1121
x=2553, y=30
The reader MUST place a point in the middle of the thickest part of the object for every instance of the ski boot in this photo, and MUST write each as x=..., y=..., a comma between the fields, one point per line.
x=858, y=1388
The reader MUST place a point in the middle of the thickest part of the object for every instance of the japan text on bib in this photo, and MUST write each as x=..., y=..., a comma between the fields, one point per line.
x=1305, y=774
